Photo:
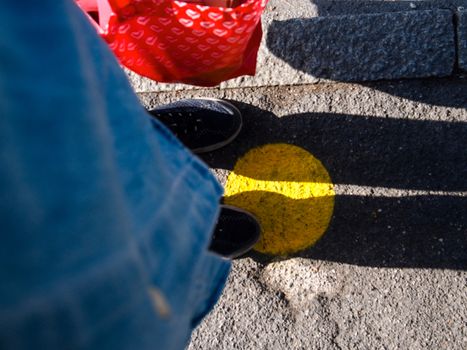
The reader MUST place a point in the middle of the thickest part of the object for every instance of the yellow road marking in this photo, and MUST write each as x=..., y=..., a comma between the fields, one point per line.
x=288, y=190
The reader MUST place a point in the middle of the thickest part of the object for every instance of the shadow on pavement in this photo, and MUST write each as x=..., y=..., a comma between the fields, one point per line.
x=416, y=232
x=292, y=217
x=425, y=91
x=374, y=228
x=343, y=49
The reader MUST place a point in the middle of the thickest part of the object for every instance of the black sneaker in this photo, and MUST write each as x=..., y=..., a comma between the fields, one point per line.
x=202, y=125
x=236, y=232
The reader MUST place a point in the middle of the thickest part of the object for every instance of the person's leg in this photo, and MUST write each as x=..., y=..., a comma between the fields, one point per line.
x=106, y=218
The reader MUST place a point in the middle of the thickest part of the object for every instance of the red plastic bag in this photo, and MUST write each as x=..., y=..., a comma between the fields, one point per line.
x=178, y=41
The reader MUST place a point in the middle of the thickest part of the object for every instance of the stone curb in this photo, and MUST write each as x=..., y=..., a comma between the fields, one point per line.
x=462, y=38
x=368, y=47
x=299, y=47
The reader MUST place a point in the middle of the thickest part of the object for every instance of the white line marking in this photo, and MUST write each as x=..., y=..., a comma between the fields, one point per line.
x=369, y=191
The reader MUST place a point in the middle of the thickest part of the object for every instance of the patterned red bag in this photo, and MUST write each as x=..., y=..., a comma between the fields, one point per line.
x=179, y=41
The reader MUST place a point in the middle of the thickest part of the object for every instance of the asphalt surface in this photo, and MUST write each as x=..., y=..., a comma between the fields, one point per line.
x=391, y=270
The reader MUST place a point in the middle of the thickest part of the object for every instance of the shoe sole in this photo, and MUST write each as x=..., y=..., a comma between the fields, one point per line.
x=218, y=145
x=253, y=243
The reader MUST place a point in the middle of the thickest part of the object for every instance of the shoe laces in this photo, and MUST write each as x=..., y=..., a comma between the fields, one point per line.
x=181, y=123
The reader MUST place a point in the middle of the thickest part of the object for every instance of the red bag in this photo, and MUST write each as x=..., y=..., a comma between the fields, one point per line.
x=178, y=41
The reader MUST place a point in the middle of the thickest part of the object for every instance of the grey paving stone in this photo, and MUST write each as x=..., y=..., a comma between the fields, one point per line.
x=368, y=47
x=462, y=38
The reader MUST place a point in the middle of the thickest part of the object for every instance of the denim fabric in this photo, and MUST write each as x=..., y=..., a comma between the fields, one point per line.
x=104, y=216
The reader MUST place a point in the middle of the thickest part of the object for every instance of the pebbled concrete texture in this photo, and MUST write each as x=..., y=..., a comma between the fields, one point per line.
x=391, y=270
x=302, y=304
x=462, y=38
x=300, y=21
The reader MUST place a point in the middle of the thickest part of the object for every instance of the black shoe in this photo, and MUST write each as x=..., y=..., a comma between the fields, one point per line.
x=202, y=125
x=236, y=232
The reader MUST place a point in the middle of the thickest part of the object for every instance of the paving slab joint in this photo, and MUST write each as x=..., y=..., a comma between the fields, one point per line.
x=460, y=21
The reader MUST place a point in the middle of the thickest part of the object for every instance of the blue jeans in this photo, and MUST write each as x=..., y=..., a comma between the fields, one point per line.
x=105, y=217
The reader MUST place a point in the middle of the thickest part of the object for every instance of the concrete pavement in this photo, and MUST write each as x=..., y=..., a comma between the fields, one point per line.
x=390, y=271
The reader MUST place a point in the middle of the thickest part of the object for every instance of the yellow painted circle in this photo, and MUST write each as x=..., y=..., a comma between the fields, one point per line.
x=288, y=190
